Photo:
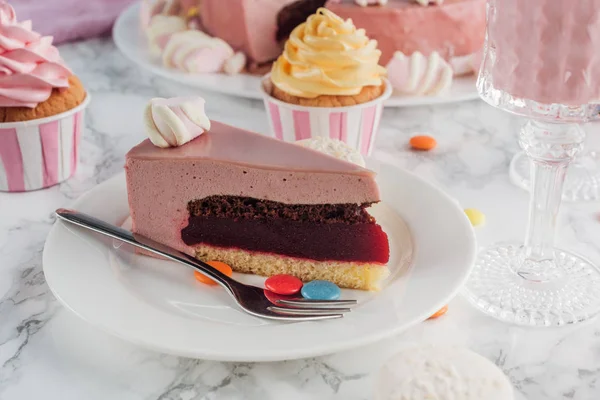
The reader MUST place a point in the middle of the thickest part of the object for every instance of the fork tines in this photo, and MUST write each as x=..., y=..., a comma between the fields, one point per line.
x=304, y=303
x=312, y=307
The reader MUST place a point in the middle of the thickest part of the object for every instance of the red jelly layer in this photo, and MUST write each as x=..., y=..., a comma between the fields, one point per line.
x=366, y=243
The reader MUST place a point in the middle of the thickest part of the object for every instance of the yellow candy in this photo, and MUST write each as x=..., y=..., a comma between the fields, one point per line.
x=475, y=216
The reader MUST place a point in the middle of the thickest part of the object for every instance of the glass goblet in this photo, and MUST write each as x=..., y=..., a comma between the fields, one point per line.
x=537, y=62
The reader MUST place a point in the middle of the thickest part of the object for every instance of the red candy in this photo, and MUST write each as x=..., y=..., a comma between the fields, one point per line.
x=283, y=284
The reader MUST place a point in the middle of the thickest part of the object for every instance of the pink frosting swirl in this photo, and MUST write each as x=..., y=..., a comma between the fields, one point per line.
x=30, y=66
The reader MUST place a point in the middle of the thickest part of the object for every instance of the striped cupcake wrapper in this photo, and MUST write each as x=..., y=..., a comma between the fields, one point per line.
x=356, y=126
x=40, y=153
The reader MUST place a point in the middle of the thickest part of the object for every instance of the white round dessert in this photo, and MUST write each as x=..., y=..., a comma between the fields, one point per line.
x=335, y=148
x=441, y=373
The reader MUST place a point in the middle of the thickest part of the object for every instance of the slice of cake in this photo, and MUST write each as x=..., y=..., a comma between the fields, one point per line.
x=261, y=205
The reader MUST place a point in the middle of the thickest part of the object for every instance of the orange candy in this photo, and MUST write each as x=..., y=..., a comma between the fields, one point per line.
x=218, y=265
x=439, y=313
x=423, y=142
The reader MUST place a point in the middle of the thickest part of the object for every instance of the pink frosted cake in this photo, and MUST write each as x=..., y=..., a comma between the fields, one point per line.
x=443, y=35
x=249, y=26
x=261, y=205
x=452, y=28
x=546, y=50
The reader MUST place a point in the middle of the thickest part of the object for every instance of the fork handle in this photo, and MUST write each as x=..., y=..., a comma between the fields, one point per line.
x=142, y=242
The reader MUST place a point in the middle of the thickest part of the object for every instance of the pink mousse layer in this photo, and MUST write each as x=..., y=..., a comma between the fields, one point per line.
x=547, y=50
x=453, y=29
x=232, y=161
x=247, y=25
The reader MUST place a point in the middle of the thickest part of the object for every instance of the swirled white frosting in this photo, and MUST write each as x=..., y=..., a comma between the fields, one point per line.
x=174, y=122
x=419, y=75
x=334, y=148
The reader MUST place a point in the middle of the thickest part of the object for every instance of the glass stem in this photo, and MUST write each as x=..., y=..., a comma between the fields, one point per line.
x=550, y=147
x=546, y=191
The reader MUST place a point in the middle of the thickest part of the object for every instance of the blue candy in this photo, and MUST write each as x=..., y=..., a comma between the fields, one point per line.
x=321, y=290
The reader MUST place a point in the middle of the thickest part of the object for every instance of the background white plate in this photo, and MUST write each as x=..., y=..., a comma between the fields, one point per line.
x=159, y=305
x=131, y=41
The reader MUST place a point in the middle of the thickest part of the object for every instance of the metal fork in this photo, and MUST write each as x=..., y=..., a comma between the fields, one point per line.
x=251, y=299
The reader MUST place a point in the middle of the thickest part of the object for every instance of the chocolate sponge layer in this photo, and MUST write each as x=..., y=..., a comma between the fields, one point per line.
x=247, y=208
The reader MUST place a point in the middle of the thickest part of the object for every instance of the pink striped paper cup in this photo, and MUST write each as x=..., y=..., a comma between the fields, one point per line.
x=42, y=152
x=354, y=125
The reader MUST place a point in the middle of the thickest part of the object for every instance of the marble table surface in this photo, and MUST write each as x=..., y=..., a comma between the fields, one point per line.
x=47, y=352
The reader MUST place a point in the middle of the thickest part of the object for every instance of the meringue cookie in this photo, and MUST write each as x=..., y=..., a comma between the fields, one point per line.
x=419, y=75
x=365, y=3
x=441, y=373
x=196, y=52
x=176, y=121
x=235, y=64
x=160, y=30
x=333, y=147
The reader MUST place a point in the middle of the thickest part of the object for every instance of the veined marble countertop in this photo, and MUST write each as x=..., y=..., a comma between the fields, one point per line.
x=48, y=353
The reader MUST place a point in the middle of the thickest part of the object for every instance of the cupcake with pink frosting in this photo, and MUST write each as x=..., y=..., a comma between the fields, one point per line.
x=41, y=108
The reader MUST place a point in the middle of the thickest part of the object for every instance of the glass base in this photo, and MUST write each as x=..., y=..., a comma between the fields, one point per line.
x=582, y=182
x=566, y=293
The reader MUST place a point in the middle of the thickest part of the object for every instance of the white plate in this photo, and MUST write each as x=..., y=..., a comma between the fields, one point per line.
x=130, y=39
x=159, y=305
